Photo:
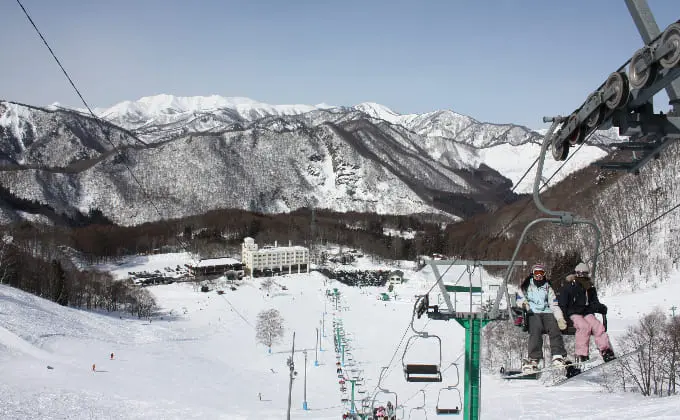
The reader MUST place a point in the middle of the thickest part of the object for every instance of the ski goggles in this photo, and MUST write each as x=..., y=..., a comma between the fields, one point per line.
x=539, y=272
x=582, y=274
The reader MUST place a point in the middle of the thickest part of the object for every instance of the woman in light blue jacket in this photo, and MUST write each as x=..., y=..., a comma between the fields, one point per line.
x=538, y=299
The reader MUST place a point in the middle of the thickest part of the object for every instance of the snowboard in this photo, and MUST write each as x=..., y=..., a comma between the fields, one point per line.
x=575, y=369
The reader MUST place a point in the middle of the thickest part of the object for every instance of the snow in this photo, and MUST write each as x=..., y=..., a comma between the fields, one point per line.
x=504, y=158
x=217, y=261
x=198, y=357
x=379, y=111
x=149, y=263
x=168, y=108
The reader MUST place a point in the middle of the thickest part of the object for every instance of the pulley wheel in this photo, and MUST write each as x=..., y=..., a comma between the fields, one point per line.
x=671, y=37
x=641, y=79
x=560, y=150
x=596, y=117
x=618, y=82
x=576, y=136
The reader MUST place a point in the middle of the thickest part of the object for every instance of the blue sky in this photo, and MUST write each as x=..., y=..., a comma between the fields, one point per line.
x=499, y=61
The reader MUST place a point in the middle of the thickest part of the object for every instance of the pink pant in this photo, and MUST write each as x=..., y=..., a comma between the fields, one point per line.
x=586, y=325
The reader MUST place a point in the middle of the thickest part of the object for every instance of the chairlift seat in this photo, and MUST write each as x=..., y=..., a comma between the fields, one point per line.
x=421, y=369
x=448, y=411
x=422, y=373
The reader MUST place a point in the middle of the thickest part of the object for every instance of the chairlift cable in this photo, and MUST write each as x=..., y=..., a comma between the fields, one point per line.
x=525, y=174
x=545, y=184
x=237, y=312
x=637, y=230
x=99, y=123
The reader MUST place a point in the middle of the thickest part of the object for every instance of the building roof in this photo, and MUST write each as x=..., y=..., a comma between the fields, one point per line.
x=281, y=248
x=217, y=261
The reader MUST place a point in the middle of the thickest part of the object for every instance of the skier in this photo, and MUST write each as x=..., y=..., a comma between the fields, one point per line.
x=578, y=300
x=538, y=299
x=390, y=410
x=94, y=368
x=111, y=356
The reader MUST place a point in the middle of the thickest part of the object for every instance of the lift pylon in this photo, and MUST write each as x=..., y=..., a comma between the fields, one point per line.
x=473, y=318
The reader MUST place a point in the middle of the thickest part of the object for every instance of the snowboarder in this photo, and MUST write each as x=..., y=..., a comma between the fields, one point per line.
x=538, y=299
x=578, y=300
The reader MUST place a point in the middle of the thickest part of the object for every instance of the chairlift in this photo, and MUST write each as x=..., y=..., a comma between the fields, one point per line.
x=421, y=372
x=382, y=390
x=448, y=410
x=418, y=408
x=561, y=218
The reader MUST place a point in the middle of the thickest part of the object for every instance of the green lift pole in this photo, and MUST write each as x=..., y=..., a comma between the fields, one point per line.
x=353, y=408
x=473, y=350
x=473, y=322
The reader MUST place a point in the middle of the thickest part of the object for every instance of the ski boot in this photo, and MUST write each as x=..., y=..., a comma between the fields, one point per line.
x=559, y=360
x=607, y=355
x=582, y=359
x=529, y=365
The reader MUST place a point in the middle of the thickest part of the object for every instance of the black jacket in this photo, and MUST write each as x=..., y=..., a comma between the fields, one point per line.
x=575, y=299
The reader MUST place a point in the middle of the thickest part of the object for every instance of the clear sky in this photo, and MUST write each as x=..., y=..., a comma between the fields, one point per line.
x=502, y=61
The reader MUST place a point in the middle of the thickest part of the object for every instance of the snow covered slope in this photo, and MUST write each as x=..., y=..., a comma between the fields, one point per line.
x=201, y=359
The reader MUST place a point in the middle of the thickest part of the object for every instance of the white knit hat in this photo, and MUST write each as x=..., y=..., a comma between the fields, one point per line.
x=582, y=268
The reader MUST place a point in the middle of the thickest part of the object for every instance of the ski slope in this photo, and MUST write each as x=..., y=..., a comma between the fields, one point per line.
x=198, y=358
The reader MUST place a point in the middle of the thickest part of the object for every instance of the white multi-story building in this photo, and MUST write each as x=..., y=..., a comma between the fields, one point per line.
x=273, y=259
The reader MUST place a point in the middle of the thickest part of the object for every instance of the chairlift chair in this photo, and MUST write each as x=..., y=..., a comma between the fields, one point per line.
x=448, y=410
x=421, y=372
x=418, y=408
x=382, y=390
x=561, y=218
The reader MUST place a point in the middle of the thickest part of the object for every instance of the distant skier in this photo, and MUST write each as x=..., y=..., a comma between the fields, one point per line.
x=538, y=298
x=111, y=356
x=578, y=299
x=390, y=410
x=94, y=368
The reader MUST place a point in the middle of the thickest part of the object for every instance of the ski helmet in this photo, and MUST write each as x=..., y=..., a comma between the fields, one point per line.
x=538, y=269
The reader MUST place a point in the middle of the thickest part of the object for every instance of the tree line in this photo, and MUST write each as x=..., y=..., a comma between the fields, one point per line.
x=45, y=270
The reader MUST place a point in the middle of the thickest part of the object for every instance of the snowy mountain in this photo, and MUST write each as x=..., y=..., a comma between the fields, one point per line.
x=164, y=116
x=195, y=154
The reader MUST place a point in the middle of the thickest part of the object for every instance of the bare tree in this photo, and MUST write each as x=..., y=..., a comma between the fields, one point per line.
x=671, y=348
x=5, y=243
x=269, y=327
x=504, y=345
x=646, y=368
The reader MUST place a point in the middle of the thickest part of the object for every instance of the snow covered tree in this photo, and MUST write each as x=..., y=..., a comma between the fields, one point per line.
x=267, y=285
x=269, y=327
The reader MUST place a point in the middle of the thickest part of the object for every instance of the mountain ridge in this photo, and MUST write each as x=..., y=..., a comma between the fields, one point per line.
x=340, y=158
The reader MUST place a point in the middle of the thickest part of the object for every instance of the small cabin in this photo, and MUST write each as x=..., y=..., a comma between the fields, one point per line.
x=396, y=277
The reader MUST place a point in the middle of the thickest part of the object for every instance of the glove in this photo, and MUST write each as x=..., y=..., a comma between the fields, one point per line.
x=603, y=309
x=562, y=324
